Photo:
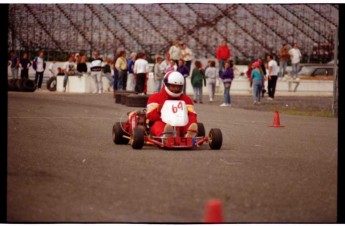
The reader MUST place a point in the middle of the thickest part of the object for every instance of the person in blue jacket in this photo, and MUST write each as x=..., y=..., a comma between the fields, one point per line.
x=227, y=76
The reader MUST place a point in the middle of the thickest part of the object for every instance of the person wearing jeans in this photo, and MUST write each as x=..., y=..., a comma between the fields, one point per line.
x=96, y=72
x=227, y=76
x=283, y=59
x=227, y=98
x=257, y=82
x=198, y=79
x=158, y=74
x=39, y=66
x=295, y=55
x=294, y=70
x=121, y=66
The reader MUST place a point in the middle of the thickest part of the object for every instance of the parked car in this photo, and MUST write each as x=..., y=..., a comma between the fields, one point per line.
x=320, y=72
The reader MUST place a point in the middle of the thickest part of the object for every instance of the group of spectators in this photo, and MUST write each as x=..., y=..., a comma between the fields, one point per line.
x=122, y=74
x=132, y=73
x=259, y=71
x=23, y=64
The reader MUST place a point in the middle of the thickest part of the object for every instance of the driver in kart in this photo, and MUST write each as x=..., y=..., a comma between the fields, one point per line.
x=172, y=89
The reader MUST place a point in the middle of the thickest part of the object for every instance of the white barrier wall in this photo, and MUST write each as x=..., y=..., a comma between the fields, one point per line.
x=240, y=84
x=86, y=84
x=82, y=84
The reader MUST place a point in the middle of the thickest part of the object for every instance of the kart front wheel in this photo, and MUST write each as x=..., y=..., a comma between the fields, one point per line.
x=118, y=133
x=215, y=139
x=138, y=138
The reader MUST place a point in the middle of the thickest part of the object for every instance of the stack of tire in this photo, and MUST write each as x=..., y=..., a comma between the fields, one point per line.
x=51, y=83
x=21, y=85
x=130, y=98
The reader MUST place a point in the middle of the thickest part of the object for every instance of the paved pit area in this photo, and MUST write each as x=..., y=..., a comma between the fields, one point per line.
x=64, y=167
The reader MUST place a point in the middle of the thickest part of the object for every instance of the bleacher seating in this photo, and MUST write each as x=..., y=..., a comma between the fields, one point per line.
x=251, y=29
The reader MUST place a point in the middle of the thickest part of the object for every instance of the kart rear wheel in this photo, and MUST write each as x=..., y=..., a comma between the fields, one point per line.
x=201, y=130
x=215, y=139
x=138, y=138
x=118, y=133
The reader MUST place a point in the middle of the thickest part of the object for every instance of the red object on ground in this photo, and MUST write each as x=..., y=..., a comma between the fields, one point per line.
x=276, y=120
x=213, y=212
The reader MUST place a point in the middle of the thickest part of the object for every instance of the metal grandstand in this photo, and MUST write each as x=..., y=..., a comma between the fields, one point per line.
x=250, y=29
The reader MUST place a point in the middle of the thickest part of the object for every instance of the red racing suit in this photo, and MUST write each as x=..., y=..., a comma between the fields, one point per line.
x=154, y=106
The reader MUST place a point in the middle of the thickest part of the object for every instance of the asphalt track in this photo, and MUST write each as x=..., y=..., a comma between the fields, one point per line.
x=64, y=167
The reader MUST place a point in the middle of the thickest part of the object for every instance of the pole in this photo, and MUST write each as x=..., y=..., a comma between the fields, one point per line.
x=335, y=76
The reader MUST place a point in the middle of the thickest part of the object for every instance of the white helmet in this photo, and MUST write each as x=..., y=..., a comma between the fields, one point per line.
x=174, y=78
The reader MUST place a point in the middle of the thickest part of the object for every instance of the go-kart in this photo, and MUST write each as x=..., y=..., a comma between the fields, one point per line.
x=136, y=130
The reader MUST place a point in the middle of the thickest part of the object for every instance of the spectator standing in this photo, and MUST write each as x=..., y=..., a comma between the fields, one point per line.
x=25, y=65
x=141, y=71
x=116, y=73
x=198, y=80
x=227, y=76
x=70, y=69
x=283, y=59
x=184, y=70
x=130, y=78
x=272, y=76
x=121, y=66
x=96, y=72
x=295, y=55
x=175, y=52
x=187, y=55
x=39, y=66
x=14, y=63
x=158, y=74
x=211, y=75
x=257, y=78
x=223, y=54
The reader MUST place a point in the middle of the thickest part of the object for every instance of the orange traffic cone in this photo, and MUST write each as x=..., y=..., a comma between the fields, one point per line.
x=213, y=212
x=276, y=120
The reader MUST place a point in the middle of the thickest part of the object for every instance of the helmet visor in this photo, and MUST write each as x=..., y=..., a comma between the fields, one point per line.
x=175, y=88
